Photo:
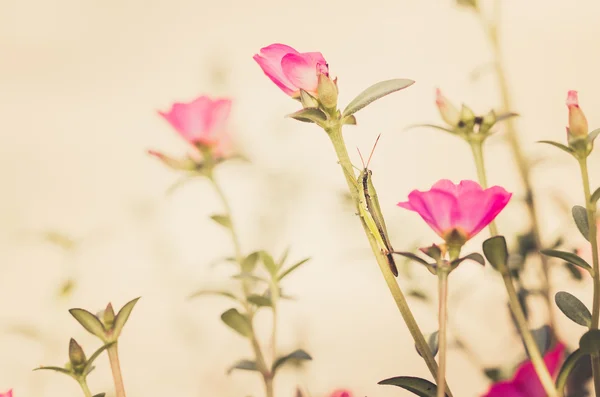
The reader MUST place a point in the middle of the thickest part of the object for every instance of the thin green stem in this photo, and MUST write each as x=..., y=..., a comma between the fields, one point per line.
x=86, y=390
x=565, y=371
x=593, y=238
x=115, y=366
x=443, y=319
x=335, y=134
x=274, y=301
x=513, y=299
x=258, y=354
x=523, y=165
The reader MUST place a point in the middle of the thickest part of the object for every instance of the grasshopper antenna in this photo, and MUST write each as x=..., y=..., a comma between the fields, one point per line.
x=372, y=150
x=362, y=160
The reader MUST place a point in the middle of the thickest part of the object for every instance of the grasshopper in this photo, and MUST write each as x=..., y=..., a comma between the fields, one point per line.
x=370, y=211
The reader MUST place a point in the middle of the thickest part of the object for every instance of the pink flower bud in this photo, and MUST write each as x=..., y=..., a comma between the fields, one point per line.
x=448, y=111
x=291, y=70
x=457, y=211
x=7, y=394
x=201, y=122
x=578, y=125
x=341, y=393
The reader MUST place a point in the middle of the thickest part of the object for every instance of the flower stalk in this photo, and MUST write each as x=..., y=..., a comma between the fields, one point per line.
x=115, y=366
x=442, y=274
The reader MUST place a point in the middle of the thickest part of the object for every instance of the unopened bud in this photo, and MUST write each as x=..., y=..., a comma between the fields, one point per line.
x=466, y=115
x=76, y=355
x=108, y=316
x=327, y=92
x=487, y=121
x=307, y=100
x=578, y=125
x=447, y=110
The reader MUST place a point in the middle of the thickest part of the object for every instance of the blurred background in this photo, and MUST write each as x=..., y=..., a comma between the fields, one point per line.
x=85, y=217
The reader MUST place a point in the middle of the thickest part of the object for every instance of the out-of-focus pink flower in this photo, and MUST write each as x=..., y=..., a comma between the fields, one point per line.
x=526, y=383
x=291, y=70
x=463, y=209
x=341, y=393
x=578, y=125
x=448, y=111
x=202, y=122
x=7, y=394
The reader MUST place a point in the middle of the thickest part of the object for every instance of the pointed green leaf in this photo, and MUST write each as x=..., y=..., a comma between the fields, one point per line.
x=433, y=342
x=222, y=220
x=292, y=268
x=309, y=115
x=249, y=262
x=90, y=322
x=283, y=257
x=249, y=276
x=496, y=252
x=569, y=257
x=437, y=127
x=558, y=145
x=269, y=263
x=573, y=308
x=214, y=292
x=237, y=322
x=122, y=317
x=296, y=355
x=88, y=366
x=375, y=92
x=260, y=300
x=247, y=365
x=595, y=196
x=473, y=257
x=593, y=135
x=100, y=395
x=580, y=217
x=413, y=257
x=505, y=116
x=418, y=386
x=56, y=369
x=349, y=120
x=565, y=370
x=590, y=342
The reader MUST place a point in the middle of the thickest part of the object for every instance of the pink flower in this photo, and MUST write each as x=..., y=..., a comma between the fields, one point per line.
x=448, y=111
x=464, y=208
x=526, y=383
x=341, y=393
x=201, y=122
x=578, y=125
x=7, y=394
x=291, y=70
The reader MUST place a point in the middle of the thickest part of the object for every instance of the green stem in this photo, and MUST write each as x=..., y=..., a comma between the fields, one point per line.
x=86, y=390
x=593, y=238
x=335, y=134
x=513, y=299
x=565, y=371
x=274, y=299
x=115, y=366
x=442, y=317
x=523, y=165
x=258, y=354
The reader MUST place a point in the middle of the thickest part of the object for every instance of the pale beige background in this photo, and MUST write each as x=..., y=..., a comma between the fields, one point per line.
x=80, y=83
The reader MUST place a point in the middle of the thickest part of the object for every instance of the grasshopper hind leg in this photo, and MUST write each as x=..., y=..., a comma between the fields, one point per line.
x=391, y=263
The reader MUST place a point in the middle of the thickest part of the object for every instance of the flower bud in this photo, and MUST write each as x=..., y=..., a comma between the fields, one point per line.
x=487, y=121
x=578, y=125
x=447, y=110
x=307, y=100
x=108, y=316
x=327, y=91
x=466, y=115
x=76, y=355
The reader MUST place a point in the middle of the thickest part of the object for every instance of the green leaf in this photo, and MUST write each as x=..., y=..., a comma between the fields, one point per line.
x=433, y=342
x=122, y=317
x=249, y=276
x=565, y=370
x=590, y=342
x=473, y=257
x=222, y=220
x=88, y=366
x=349, y=120
x=418, y=386
x=260, y=300
x=543, y=337
x=437, y=127
x=309, y=115
x=247, y=365
x=569, y=257
x=593, y=135
x=90, y=322
x=214, y=292
x=574, y=271
x=496, y=252
x=558, y=145
x=573, y=308
x=505, y=116
x=99, y=395
x=296, y=355
x=249, y=262
x=269, y=263
x=580, y=217
x=375, y=92
x=56, y=369
x=595, y=196
x=284, y=257
x=292, y=268
x=413, y=257
x=237, y=322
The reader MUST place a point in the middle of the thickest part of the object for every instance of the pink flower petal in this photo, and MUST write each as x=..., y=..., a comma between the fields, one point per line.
x=436, y=207
x=301, y=70
x=505, y=389
x=217, y=118
x=572, y=98
x=480, y=207
x=341, y=393
x=526, y=378
x=270, y=62
x=7, y=394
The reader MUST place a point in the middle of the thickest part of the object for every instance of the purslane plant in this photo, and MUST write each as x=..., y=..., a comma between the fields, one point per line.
x=203, y=123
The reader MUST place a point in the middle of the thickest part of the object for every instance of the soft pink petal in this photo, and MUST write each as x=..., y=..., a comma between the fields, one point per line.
x=526, y=378
x=217, y=118
x=301, y=71
x=274, y=72
x=341, y=393
x=189, y=119
x=445, y=185
x=572, y=98
x=468, y=186
x=504, y=389
x=480, y=207
x=7, y=394
x=436, y=207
